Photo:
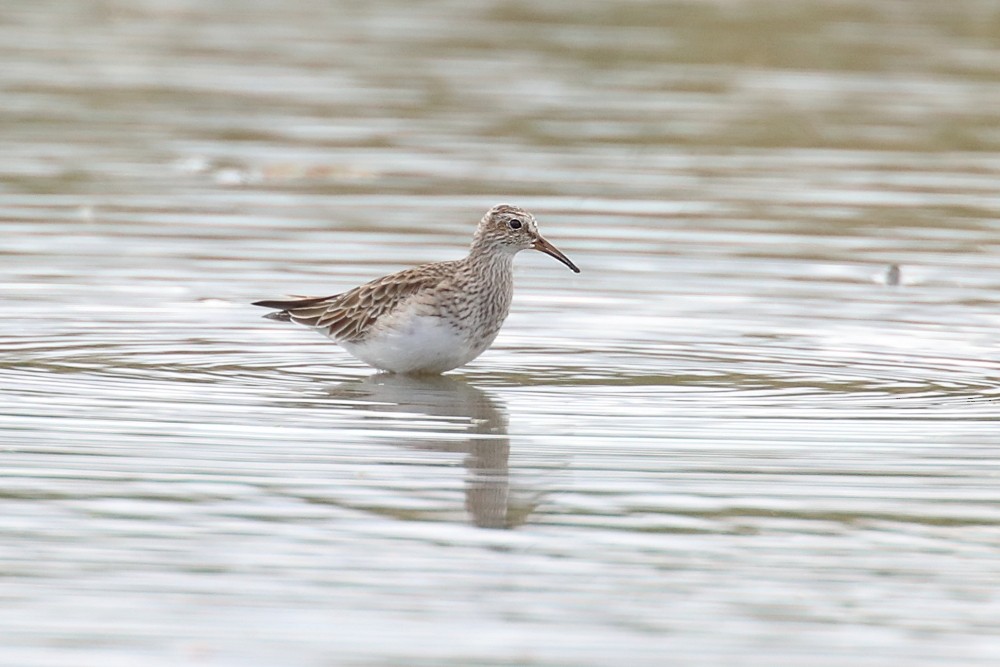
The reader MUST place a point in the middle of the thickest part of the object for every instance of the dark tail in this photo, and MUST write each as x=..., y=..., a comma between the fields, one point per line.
x=283, y=307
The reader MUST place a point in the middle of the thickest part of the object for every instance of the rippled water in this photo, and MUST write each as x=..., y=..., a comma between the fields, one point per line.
x=731, y=440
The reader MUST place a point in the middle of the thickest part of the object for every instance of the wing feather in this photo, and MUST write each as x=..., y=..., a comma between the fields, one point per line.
x=349, y=316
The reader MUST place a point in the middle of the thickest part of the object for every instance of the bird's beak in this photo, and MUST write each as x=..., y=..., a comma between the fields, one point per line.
x=549, y=249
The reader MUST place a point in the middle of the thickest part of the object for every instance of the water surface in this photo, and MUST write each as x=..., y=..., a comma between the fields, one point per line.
x=729, y=441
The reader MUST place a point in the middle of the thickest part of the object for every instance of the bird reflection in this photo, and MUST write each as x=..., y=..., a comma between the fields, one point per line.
x=487, y=445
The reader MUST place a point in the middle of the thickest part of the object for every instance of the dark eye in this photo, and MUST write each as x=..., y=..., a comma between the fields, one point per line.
x=514, y=224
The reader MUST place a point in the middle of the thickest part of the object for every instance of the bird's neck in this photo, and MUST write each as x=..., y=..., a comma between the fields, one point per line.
x=490, y=262
x=488, y=288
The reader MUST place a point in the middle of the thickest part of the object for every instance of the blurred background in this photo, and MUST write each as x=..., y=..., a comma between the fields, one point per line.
x=758, y=429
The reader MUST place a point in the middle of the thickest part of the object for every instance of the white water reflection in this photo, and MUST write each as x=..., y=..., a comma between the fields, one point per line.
x=447, y=414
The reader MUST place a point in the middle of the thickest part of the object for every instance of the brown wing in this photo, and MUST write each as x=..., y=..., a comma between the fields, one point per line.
x=347, y=316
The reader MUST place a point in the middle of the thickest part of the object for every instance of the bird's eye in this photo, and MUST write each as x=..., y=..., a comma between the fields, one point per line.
x=514, y=224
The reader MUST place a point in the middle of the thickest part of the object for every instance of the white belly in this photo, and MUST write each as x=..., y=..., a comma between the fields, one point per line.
x=420, y=344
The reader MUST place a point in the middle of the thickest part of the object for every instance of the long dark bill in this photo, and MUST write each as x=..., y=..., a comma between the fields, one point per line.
x=549, y=249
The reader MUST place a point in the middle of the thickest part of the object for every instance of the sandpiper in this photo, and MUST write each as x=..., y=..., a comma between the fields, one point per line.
x=434, y=317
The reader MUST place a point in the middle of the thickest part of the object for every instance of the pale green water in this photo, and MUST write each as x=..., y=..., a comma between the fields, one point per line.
x=726, y=442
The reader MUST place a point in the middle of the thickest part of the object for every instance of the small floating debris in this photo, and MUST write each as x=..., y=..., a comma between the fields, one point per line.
x=890, y=276
x=893, y=275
